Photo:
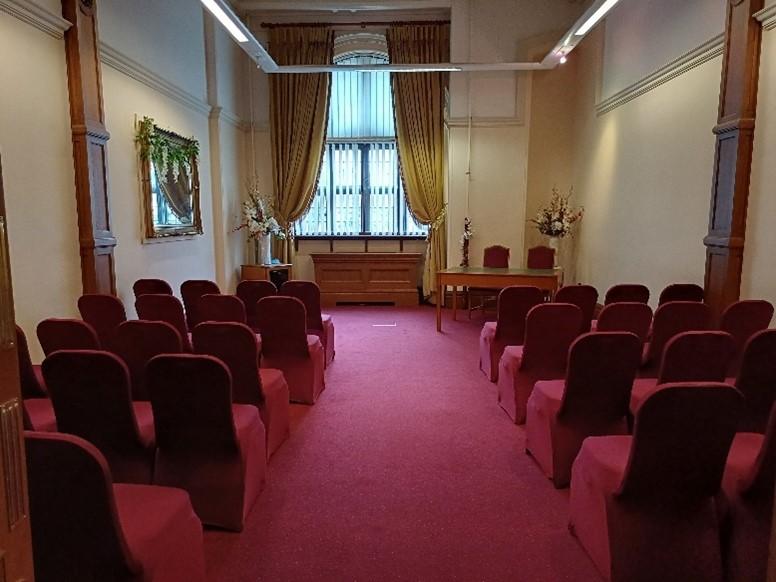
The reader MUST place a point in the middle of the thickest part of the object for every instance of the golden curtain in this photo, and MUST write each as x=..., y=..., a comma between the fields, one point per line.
x=418, y=100
x=299, y=112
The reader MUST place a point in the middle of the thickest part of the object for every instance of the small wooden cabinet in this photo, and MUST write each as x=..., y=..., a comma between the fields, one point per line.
x=367, y=277
x=278, y=274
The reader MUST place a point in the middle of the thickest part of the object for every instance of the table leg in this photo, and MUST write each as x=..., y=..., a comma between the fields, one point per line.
x=455, y=301
x=439, y=300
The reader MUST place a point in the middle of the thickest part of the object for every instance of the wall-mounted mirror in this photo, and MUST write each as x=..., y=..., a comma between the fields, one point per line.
x=170, y=182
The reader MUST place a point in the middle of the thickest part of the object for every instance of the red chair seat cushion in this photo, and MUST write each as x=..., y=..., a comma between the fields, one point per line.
x=642, y=389
x=145, y=421
x=41, y=414
x=162, y=532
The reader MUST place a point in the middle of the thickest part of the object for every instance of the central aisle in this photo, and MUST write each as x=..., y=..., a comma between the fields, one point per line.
x=405, y=469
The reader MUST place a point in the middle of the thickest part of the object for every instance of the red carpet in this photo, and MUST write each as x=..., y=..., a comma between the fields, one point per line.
x=405, y=469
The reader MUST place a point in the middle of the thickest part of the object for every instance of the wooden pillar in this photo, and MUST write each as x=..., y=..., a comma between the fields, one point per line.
x=733, y=158
x=90, y=155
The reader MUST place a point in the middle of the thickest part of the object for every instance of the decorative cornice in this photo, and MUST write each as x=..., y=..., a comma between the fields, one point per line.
x=767, y=16
x=138, y=72
x=39, y=17
x=455, y=122
x=696, y=57
x=219, y=113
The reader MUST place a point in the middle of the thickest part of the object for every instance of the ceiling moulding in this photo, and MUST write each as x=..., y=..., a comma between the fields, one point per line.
x=37, y=16
x=345, y=19
x=767, y=16
x=325, y=10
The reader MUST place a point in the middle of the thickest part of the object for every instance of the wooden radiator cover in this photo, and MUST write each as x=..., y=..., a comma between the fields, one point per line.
x=367, y=277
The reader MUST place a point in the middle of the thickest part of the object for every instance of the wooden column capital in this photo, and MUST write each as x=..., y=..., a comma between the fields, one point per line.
x=90, y=139
x=733, y=156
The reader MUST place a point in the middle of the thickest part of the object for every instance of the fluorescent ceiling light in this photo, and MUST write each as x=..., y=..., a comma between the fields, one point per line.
x=228, y=20
x=596, y=16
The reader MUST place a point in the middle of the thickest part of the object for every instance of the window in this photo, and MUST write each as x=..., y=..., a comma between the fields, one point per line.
x=359, y=189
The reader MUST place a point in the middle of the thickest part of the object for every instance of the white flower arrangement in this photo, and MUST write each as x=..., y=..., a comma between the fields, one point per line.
x=558, y=217
x=257, y=215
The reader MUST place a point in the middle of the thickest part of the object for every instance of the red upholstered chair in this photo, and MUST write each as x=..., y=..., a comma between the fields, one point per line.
x=151, y=287
x=236, y=345
x=37, y=405
x=66, y=334
x=540, y=257
x=137, y=342
x=742, y=320
x=583, y=296
x=493, y=257
x=672, y=319
x=92, y=399
x=681, y=292
x=635, y=318
x=104, y=313
x=251, y=292
x=166, y=308
x=286, y=346
x=747, y=509
x=549, y=331
x=225, y=308
x=757, y=380
x=627, y=292
x=191, y=292
x=205, y=444
x=691, y=356
x=318, y=323
x=513, y=306
x=87, y=528
x=591, y=401
x=643, y=506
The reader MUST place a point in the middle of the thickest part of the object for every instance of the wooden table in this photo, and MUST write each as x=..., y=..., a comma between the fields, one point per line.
x=548, y=279
x=278, y=273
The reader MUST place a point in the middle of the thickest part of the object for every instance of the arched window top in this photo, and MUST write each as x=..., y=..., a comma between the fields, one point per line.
x=360, y=44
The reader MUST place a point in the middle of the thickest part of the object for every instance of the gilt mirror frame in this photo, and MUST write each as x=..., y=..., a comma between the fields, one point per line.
x=164, y=151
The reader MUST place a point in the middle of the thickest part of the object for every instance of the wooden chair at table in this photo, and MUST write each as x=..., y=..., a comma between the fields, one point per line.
x=540, y=257
x=494, y=257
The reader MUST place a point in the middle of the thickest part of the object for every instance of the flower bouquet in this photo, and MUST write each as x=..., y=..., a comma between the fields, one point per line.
x=557, y=218
x=258, y=219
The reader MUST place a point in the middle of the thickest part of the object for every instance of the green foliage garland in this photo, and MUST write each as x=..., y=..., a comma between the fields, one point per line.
x=162, y=150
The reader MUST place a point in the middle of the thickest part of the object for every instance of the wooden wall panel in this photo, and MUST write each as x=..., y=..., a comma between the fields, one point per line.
x=733, y=158
x=90, y=139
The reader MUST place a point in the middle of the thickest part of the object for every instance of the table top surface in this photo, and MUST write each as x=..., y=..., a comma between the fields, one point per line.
x=496, y=271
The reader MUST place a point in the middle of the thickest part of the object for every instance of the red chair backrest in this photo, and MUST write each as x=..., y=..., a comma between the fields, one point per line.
x=166, y=308
x=136, y=342
x=540, y=258
x=583, y=296
x=92, y=399
x=674, y=318
x=513, y=306
x=191, y=396
x=104, y=313
x=191, y=292
x=30, y=384
x=77, y=533
x=308, y=293
x=236, y=346
x=635, y=318
x=627, y=292
x=283, y=324
x=759, y=484
x=66, y=334
x=251, y=292
x=151, y=287
x=599, y=377
x=222, y=308
x=681, y=292
x=696, y=356
x=743, y=319
x=495, y=257
x=550, y=329
x=681, y=439
x=757, y=379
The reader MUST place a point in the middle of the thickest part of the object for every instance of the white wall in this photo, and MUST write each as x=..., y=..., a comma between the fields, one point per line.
x=37, y=155
x=758, y=273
